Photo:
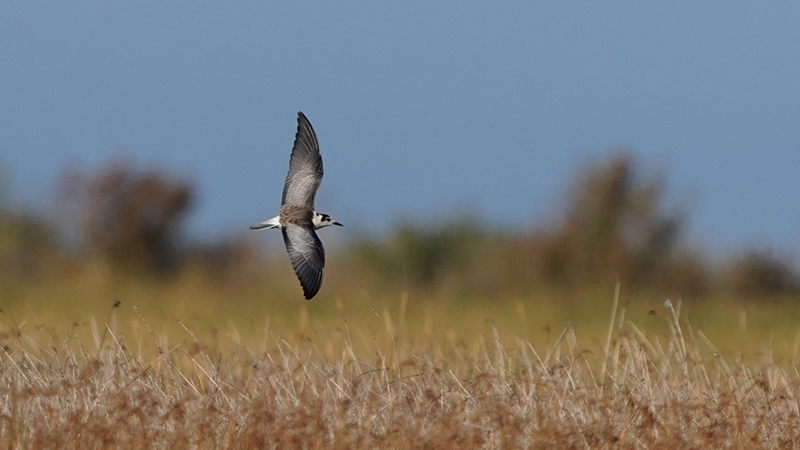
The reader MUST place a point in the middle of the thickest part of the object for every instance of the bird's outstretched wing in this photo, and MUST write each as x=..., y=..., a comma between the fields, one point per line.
x=305, y=167
x=307, y=255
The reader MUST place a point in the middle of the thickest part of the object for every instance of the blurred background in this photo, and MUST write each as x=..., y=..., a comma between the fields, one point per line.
x=480, y=155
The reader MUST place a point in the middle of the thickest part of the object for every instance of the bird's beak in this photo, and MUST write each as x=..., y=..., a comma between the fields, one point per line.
x=337, y=223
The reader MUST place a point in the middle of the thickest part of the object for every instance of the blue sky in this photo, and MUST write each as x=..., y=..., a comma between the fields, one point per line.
x=421, y=107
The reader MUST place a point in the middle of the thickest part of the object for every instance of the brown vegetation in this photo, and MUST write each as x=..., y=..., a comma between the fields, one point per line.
x=112, y=391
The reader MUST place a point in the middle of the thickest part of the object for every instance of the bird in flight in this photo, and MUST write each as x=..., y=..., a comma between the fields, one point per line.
x=297, y=219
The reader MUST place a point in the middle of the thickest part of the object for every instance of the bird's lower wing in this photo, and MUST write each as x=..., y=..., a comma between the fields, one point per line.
x=307, y=255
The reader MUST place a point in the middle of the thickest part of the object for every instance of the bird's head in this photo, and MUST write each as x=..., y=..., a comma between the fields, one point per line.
x=323, y=220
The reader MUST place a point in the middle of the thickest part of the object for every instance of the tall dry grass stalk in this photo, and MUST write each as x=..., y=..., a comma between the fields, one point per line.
x=105, y=391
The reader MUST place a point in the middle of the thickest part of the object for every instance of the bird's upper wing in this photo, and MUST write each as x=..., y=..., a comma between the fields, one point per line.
x=307, y=255
x=305, y=167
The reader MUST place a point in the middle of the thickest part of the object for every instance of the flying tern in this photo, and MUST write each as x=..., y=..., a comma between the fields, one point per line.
x=297, y=219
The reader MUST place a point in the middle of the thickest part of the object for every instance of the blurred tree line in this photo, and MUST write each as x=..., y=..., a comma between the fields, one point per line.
x=615, y=226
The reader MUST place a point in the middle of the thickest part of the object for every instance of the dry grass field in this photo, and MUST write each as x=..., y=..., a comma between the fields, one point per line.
x=433, y=336
x=103, y=384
